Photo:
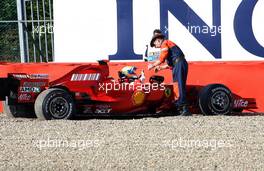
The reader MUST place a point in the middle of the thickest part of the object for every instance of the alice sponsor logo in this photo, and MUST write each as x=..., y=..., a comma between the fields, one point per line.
x=240, y=103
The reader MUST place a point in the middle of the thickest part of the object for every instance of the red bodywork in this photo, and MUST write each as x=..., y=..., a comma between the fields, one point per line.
x=96, y=92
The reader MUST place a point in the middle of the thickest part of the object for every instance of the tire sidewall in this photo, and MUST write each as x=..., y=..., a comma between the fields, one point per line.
x=53, y=94
x=205, y=99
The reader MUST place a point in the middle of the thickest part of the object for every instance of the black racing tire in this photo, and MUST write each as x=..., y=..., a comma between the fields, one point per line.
x=54, y=103
x=215, y=99
x=15, y=111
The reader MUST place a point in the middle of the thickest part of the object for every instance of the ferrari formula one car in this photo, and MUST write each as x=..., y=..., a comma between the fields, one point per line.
x=89, y=90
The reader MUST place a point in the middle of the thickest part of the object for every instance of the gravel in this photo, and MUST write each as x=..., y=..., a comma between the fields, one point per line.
x=164, y=143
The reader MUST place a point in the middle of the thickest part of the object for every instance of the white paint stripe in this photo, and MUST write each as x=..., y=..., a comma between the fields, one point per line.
x=94, y=75
x=82, y=77
x=89, y=77
x=85, y=76
x=97, y=76
x=72, y=78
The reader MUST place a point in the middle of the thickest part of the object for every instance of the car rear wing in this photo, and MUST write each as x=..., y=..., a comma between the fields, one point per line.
x=18, y=82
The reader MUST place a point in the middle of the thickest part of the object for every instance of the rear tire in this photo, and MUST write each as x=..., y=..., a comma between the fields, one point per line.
x=215, y=99
x=54, y=103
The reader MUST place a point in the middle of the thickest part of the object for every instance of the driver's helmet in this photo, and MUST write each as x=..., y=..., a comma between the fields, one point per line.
x=129, y=71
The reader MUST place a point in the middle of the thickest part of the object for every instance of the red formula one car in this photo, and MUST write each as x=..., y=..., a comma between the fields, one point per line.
x=89, y=90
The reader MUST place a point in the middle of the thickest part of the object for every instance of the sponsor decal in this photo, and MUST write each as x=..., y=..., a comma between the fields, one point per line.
x=103, y=109
x=38, y=76
x=240, y=103
x=30, y=89
x=24, y=97
x=167, y=92
x=20, y=76
x=152, y=56
x=138, y=97
x=85, y=77
x=88, y=109
x=34, y=84
x=233, y=30
x=31, y=76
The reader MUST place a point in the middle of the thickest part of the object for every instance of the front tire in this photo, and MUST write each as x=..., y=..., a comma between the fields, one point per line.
x=54, y=103
x=215, y=99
